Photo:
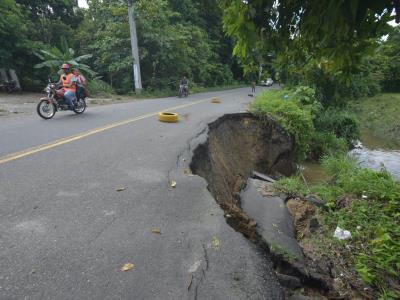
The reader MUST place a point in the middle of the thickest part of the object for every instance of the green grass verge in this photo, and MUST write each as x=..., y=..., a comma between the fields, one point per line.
x=100, y=89
x=379, y=118
x=371, y=213
x=316, y=131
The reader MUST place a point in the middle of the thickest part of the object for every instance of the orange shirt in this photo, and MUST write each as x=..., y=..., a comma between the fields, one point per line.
x=67, y=79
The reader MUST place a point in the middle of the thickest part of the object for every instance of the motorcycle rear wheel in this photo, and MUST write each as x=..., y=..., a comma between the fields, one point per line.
x=80, y=107
x=46, y=109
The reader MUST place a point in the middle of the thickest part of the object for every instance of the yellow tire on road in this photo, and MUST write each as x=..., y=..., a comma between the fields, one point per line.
x=168, y=117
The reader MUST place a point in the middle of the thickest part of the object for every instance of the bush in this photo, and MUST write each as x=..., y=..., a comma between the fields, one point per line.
x=338, y=166
x=372, y=216
x=373, y=219
x=376, y=185
x=306, y=95
x=325, y=143
x=291, y=186
x=98, y=87
x=342, y=123
x=295, y=119
x=316, y=132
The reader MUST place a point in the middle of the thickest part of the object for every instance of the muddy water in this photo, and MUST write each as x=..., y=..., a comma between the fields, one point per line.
x=313, y=172
x=371, y=153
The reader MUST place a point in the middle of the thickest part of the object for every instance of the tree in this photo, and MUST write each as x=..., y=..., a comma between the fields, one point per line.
x=172, y=42
x=12, y=32
x=389, y=54
x=338, y=31
x=53, y=58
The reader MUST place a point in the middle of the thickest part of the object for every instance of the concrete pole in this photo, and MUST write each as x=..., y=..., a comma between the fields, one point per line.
x=135, y=49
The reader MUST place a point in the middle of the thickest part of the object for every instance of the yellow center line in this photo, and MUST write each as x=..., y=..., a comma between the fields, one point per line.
x=69, y=139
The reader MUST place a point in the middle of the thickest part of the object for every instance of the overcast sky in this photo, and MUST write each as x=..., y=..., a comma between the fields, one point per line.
x=82, y=3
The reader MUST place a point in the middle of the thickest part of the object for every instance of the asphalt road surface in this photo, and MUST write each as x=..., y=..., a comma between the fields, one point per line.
x=65, y=230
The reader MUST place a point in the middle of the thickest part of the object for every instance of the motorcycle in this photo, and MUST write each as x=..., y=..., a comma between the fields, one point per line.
x=183, y=90
x=9, y=86
x=54, y=101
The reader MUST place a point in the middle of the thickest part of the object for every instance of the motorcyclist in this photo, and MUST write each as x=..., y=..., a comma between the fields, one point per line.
x=68, y=82
x=184, y=84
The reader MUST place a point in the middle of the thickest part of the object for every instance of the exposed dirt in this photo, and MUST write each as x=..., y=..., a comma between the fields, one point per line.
x=236, y=145
x=302, y=212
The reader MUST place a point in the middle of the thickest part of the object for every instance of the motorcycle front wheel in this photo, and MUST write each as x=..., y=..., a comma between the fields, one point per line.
x=46, y=109
x=80, y=106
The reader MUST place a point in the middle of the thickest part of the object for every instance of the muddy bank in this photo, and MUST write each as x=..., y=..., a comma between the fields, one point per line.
x=238, y=144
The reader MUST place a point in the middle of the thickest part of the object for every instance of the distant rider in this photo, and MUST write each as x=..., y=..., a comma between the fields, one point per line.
x=68, y=82
x=185, y=84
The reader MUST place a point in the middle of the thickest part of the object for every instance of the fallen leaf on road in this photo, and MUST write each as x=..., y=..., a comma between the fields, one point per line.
x=187, y=172
x=190, y=281
x=156, y=230
x=173, y=183
x=120, y=189
x=215, y=100
x=215, y=243
x=127, y=267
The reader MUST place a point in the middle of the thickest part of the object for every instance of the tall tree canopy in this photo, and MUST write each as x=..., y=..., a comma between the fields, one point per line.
x=340, y=31
x=175, y=38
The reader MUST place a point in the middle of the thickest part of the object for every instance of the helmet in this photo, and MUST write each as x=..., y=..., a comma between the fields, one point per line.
x=65, y=66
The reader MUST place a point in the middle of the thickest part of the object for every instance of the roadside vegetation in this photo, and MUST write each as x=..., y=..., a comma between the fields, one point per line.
x=379, y=116
x=325, y=120
x=367, y=203
x=340, y=79
x=175, y=37
x=316, y=131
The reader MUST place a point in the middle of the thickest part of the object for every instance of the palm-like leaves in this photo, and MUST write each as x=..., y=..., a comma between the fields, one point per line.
x=53, y=58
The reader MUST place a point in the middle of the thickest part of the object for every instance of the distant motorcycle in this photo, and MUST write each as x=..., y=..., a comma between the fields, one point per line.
x=9, y=86
x=54, y=101
x=183, y=90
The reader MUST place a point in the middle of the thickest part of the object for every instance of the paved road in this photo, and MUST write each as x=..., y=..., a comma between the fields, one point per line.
x=65, y=231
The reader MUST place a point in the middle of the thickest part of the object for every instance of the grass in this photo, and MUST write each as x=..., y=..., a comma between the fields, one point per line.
x=379, y=117
x=150, y=94
x=199, y=89
x=284, y=107
x=372, y=215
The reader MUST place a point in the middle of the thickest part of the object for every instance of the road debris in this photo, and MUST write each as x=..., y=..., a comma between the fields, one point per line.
x=342, y=234
x=173, y=183
x=262, y=176
x=215, y=243
x=190, y=281
x=188, y=172
x=168, y=117
x=120, y=189
x=156, y=230
x=127, y=267
x=215, y=100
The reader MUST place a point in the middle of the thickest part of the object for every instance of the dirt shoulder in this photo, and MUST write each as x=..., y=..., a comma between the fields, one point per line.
x=25, y=103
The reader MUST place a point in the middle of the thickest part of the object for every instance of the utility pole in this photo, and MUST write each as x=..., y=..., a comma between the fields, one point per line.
x=135, y=49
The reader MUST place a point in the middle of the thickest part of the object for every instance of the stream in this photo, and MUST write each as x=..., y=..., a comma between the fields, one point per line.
x=371, y=153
